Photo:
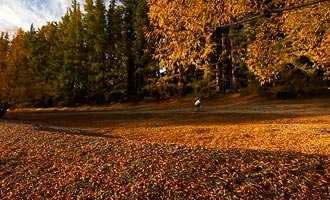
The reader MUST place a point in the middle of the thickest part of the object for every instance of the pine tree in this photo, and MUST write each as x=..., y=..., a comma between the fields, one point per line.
x=117, y=81
x=95, y=38
x=129, y=36
x=72, y=76
x=135, y=46
x=55, y=73
x=142, y=48
x=38, y=46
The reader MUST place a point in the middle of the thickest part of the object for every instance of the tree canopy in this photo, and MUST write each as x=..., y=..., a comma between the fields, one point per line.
x=282, y=32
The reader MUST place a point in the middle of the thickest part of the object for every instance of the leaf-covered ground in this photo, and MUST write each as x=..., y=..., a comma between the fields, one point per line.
x=238, y=149
x=54, y=163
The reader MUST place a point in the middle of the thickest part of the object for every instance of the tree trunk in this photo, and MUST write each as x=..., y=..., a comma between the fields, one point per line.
x=226, y=61
x=217, y=77
x=233, y=80
x=180, y=83
x=3, y=109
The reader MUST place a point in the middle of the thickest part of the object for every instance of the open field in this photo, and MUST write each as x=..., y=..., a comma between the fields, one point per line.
x=237, y=149
x=292, y=125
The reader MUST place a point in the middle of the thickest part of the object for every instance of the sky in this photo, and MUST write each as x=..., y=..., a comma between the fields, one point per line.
x=22, y=13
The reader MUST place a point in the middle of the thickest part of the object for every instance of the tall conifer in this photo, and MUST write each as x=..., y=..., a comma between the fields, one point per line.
x=95, y=35
x=117, y=82
x=141, y=47
x=129, y=36
x=72, y=78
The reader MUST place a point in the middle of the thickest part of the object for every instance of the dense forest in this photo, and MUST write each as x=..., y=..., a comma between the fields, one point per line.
x=136, y=49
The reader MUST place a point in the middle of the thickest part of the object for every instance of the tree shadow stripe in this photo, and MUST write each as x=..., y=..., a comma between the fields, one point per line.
x=72, y=131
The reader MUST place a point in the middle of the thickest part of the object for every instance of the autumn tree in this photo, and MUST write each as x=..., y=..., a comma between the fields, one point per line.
x=185, y=30
x=4, y=46
x=295, y=40
x=190, y=36
x=16, y=78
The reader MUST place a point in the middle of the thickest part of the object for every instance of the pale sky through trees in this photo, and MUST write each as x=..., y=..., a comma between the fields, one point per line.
x=22, y=13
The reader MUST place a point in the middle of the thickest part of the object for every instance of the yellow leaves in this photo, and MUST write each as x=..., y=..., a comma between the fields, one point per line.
x=290, y=35
x=183, y=26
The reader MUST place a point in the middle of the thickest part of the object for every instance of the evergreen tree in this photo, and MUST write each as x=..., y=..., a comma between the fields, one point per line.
x=95, y=35
x=117, y=82
x=47, y=45
x=129, y=36
x=72, y=76
x=56, y=60
x=142, y=48
x=135, y=46
x=38, y=46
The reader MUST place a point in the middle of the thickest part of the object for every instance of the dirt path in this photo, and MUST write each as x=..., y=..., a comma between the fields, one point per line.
x=232, y=111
